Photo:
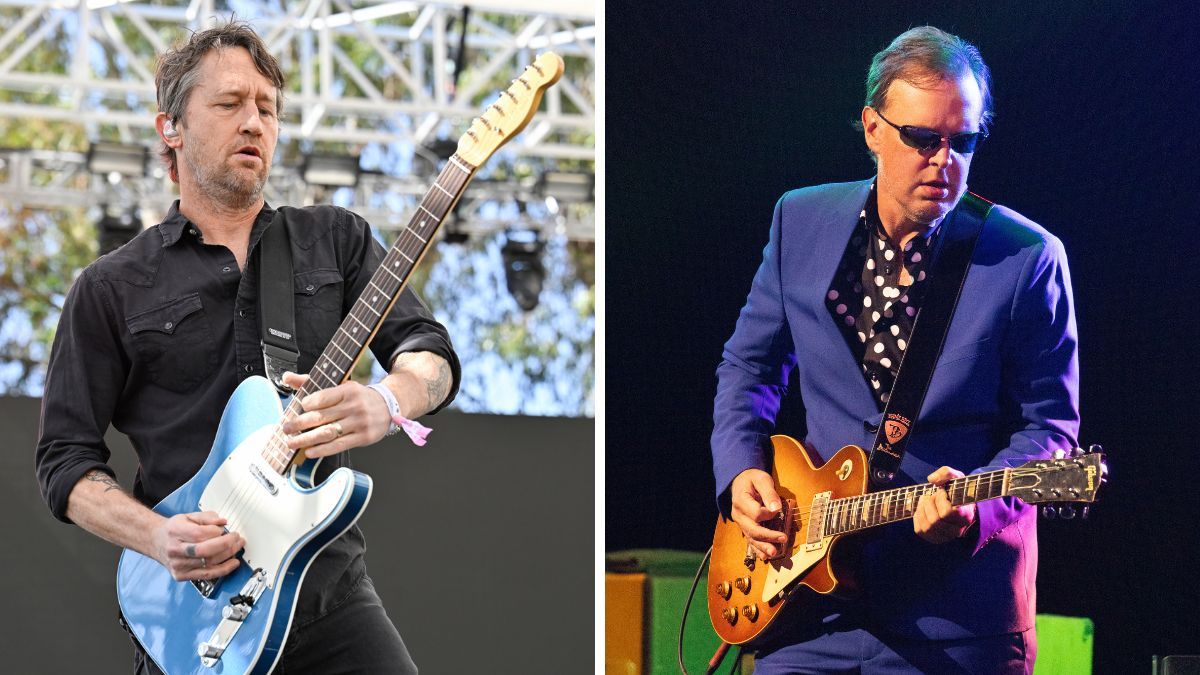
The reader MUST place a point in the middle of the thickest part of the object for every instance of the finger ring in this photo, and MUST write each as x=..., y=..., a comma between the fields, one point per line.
x=337, y=428
x=190, y=551
x=204, y=562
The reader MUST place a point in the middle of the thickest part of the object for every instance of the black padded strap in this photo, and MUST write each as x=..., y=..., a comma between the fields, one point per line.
x=276, y=303
x=915, y=371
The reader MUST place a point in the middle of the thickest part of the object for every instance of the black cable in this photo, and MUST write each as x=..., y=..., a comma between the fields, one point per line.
x=686, y=606
x=683, y=622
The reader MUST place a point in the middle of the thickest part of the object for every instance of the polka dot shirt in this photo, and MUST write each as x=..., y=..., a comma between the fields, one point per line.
x=870, y=301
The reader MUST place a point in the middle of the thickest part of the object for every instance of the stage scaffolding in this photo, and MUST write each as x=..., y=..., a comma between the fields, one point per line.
x=364, y=75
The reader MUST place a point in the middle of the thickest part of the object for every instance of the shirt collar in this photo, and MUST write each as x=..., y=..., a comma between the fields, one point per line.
x=174, y=224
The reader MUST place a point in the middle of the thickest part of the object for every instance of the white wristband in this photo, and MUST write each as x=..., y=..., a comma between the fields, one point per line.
x=393, y=406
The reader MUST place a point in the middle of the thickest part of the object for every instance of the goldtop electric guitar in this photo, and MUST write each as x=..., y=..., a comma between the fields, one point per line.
x=823, y=505
x=238, y=623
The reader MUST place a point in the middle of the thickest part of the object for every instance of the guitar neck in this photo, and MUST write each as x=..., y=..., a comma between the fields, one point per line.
x=360, y=325
x=851, y=514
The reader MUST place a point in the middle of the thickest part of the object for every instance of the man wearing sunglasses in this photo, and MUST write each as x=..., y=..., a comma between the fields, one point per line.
x=844, y=274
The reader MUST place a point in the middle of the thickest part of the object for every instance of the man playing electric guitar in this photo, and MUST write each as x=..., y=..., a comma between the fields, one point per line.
x=155, y=337
x=843, y=276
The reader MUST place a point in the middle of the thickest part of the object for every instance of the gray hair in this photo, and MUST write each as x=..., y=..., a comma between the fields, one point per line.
x=926, y=55
x=179, y=70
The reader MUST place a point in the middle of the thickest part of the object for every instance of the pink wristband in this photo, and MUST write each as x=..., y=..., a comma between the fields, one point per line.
x=416, y=431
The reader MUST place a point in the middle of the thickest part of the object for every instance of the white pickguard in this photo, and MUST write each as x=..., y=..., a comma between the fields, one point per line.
x=271, y=520
x=780, y=575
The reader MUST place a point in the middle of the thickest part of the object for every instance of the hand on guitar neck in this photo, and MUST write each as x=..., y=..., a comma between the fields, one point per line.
x=754, y=501
x=936, y=520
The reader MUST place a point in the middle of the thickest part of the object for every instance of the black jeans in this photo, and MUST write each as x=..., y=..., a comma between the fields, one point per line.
x=354, y=636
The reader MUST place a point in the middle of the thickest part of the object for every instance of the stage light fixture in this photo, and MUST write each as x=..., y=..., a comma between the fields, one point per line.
x=107, y=159
x=566, y=187
x=116, y=228
x=524, y=273
x=330, y=170
x=452, y=230
x=442, y=148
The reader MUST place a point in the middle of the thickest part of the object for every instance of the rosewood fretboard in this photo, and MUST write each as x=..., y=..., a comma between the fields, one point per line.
x=851, y=514
x=360, y=325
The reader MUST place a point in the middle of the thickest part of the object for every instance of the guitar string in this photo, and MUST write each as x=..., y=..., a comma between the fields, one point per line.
x=988, y=479
x=845, y=512
x=244, y=499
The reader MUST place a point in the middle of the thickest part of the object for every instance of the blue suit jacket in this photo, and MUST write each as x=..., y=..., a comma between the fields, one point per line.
x=1004, y=391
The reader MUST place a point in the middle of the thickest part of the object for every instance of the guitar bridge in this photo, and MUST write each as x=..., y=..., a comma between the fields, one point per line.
x=234, y=614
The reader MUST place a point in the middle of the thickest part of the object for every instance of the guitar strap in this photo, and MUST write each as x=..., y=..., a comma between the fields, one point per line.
x=276, y=303
x=915, y=371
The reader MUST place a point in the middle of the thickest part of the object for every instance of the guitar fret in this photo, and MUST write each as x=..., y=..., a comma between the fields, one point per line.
x=444, y=190
x=413, y=233
x=343, y=341
x=365, y=326
x=329, y=380
x=385, y=269
x=350, y=337
x=372, y=284
x=457, y=163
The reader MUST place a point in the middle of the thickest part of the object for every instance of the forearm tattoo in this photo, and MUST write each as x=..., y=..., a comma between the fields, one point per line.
x=98, y=476
x=436, y=389
x=439, y=387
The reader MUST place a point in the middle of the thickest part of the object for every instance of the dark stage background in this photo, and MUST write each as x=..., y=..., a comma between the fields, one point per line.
x=479, y=544
x=713, y=111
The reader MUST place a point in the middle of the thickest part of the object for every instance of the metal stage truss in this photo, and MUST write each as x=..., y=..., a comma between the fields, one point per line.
x=392, y=76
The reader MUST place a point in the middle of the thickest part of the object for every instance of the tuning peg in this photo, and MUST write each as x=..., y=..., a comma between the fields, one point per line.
x=1059, y=453
x=1049, y=512
x=1066, y=512
x=1077, y=452
x=1095, y=449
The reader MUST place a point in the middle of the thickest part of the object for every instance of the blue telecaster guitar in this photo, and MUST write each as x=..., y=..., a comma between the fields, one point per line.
x=238, y=623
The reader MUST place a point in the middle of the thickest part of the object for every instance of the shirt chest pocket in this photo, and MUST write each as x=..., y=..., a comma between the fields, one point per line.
x=174, y=343
x=318, y=305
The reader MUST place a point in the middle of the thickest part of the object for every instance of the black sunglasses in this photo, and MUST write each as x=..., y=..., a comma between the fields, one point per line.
x=927, y=139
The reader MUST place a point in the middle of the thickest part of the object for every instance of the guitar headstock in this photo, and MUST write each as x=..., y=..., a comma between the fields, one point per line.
x=1074, y=478
x=509, y=114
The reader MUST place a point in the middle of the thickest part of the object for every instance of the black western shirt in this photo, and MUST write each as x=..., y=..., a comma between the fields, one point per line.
x=155, y=336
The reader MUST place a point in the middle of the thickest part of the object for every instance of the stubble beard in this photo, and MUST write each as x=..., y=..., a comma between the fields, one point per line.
x=224, y=186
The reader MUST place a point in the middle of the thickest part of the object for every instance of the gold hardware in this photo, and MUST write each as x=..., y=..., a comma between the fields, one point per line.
x=751, y=612
x=724, y=590
x=730, y=615
x=742, y=584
